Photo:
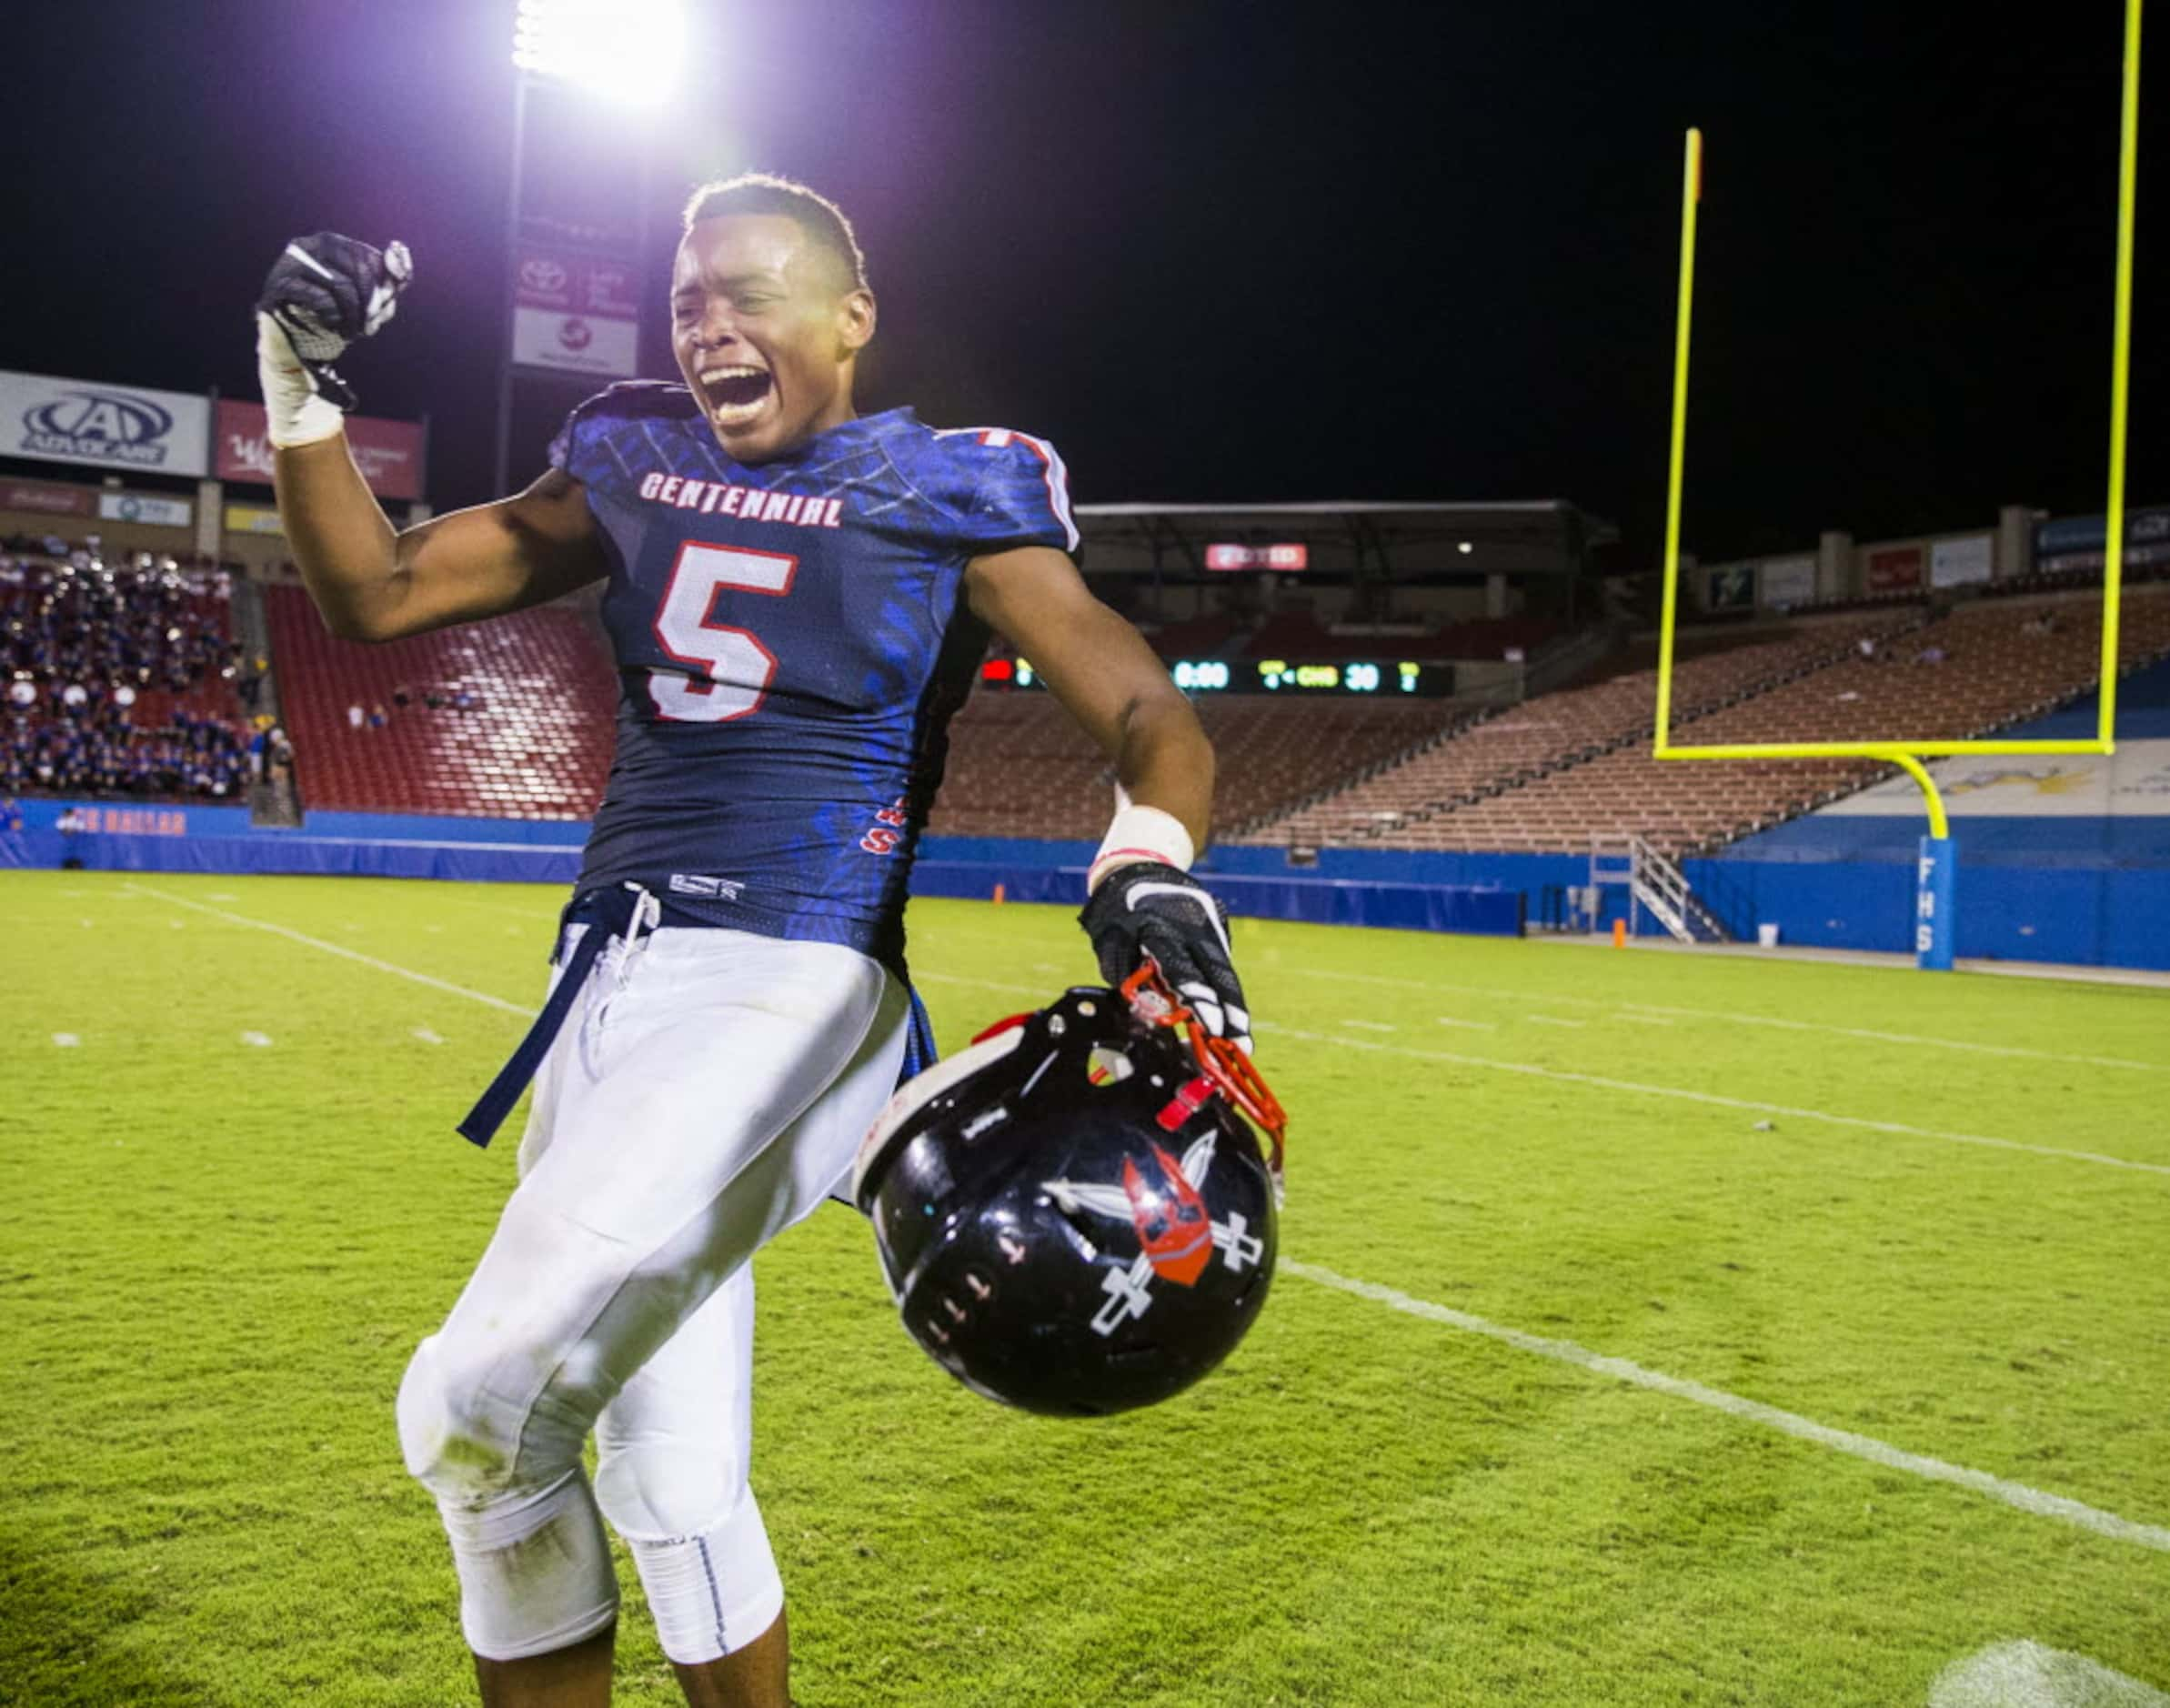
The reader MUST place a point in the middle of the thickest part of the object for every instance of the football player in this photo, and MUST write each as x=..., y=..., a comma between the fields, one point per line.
x=799, y=597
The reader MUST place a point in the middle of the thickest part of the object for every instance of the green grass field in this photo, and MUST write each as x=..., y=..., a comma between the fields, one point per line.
x=233, y=1202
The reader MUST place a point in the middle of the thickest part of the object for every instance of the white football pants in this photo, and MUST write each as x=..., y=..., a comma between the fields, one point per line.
x=707, y=1090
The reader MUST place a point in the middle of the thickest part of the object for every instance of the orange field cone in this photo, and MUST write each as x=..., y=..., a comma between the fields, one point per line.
x=1619, y=929
x=998, y=894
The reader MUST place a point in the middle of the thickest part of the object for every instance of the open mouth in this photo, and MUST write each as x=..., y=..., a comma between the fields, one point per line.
x=736, y=393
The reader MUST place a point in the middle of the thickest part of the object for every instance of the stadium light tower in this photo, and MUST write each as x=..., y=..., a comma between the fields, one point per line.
x=576, y=228
x=628, y=50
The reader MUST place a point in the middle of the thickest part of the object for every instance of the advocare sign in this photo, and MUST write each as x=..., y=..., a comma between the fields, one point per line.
x=97, y=426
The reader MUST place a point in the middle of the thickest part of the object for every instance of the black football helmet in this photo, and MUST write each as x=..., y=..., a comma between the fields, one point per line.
x=1073, y=1214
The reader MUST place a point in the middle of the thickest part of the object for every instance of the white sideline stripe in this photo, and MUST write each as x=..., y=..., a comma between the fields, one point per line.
x=2016, y=1051
x=66, y=1040
x=255, y=1040
x=1604, y=1084
x=2038, y=1502
x=2028, y=1674
x=341, y=950
x=1712, y=1098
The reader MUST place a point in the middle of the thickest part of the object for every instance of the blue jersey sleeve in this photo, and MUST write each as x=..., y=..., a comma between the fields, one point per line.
x=584, y=446
x=1020, y=495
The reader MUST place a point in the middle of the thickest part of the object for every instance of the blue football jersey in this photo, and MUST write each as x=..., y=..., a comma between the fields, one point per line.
x=791, y=641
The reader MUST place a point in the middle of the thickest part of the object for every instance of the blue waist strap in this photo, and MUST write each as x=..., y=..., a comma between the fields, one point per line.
x=625, y=911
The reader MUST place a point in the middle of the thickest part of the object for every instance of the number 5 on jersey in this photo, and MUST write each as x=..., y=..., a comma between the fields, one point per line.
x=731, y=670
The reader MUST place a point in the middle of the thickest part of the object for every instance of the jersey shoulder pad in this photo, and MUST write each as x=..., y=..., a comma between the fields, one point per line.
x=1011, y=489
x=626, y=403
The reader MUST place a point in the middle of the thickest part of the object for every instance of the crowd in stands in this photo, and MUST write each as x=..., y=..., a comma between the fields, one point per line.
x=97, y=658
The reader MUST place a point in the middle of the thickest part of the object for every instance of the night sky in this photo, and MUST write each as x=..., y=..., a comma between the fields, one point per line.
x=1216, y=251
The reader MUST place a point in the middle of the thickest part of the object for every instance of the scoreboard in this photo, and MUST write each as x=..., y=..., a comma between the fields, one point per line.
x=1369, y=677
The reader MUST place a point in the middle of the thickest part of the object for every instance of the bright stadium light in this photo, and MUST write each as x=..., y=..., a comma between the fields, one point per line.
x=628, y=49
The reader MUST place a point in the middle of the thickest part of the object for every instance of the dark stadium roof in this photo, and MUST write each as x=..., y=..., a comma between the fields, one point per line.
x=1546, y=536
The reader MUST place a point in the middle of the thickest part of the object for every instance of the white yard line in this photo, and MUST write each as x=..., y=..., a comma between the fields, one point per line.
x=1712, y=1098
x=2016, y=1051
x=1598, y=1081
x=2037, y=1502
x=341, y=950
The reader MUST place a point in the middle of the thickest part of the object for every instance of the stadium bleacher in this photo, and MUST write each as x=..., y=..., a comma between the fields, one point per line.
x=1554, y=732
x=532, y=741
x=1982, y=667
x=513, y=719
x=1020, y=766
x=118, y=680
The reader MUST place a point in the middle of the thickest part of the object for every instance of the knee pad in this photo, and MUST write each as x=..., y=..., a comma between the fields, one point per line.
x=713, y=1593
x=534, y=1565
x=453, y=1444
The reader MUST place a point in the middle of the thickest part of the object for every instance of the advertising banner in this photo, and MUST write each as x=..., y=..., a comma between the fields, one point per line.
x=46, y=497
x=142, y=507
x=1957, y=563
x=253, y=518
x=574, y=313
x=1789, y=580
x=2077, y=542
x=388, y=453
x=105, y=426
x=1892, y=568
x=1731, y=588
x=1229, y=556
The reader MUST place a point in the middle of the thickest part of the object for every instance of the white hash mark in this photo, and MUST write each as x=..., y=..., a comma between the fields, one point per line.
x=2030, y=1676
x=255, y=1040
x=426, y=1035
x=66, y=1040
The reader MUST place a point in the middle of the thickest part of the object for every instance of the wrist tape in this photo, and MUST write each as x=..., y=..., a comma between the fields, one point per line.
x=1141, y=833
x=295, y=412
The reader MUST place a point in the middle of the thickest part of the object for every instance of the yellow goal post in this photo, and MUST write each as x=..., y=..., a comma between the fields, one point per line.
x=1908, y=754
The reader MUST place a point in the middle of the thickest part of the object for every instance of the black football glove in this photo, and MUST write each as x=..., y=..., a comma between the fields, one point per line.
x=326, y=292
x=1151, y=909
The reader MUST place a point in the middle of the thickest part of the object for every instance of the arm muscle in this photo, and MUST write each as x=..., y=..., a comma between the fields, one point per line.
x=371, y=583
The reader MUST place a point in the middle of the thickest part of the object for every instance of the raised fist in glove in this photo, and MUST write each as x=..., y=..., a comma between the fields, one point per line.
x=323, y=292
x=1148, y=908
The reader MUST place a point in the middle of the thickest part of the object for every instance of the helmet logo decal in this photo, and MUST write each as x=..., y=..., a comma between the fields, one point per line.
x=1171, y=1219
x=1176, y=1236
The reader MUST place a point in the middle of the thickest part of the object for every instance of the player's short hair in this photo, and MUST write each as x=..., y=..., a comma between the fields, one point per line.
x=765, y=192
